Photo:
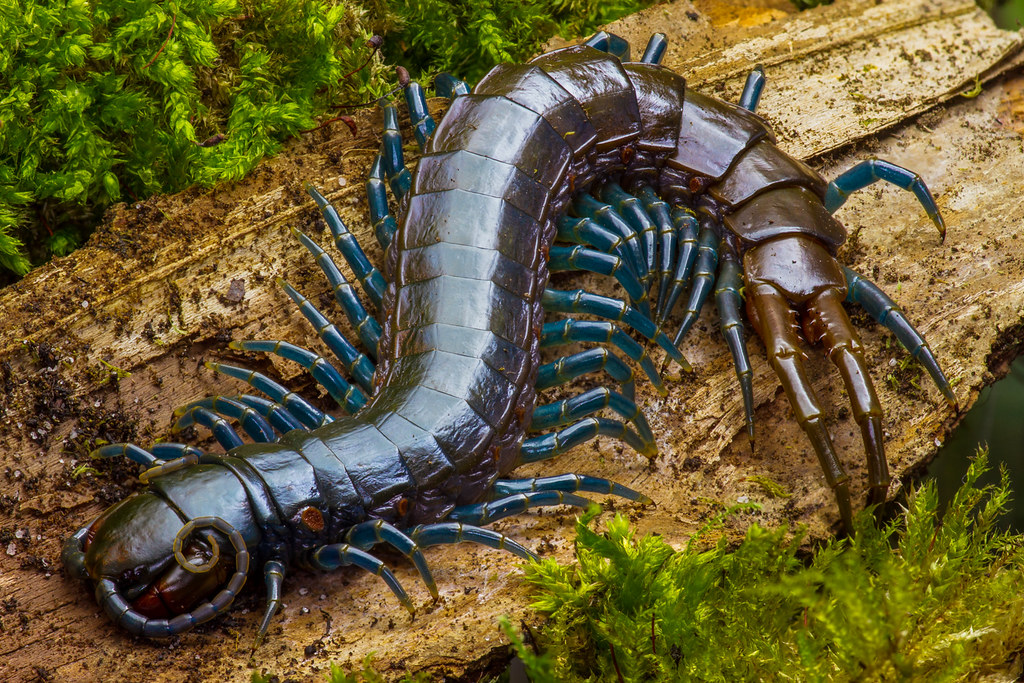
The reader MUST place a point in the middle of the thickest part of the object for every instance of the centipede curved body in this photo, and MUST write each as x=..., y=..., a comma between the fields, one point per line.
x=522, y=176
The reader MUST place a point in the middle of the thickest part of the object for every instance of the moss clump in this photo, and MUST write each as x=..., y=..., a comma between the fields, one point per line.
x=121, y=99
x=468, y=38
x=922, y=598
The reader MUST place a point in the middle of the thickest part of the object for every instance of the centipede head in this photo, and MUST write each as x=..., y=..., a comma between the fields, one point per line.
x=155, y=573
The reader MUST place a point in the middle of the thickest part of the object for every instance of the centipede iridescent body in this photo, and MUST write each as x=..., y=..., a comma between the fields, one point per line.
x=578, y=160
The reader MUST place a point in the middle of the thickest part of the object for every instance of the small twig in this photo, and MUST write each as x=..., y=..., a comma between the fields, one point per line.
x=347, y=120
x=375, y=42
x=174, y=18
x=615, y=663
x=654, y=649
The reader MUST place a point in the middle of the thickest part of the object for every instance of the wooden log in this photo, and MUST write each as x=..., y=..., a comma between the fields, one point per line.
x=168, y=281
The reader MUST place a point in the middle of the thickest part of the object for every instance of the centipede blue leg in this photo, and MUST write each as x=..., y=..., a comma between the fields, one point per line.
x=730, y=312
x=598, y=331
x=586, y=206
x=368, y=534
x=658, y=210
x=752, y=89
x=399, y=178
x=632, y=210
x=547, y=446
x=366, y=273
x=384, y=224
x=569, y=483
x=169, y=450
x=586, y=231
x=655, y=50
x=872, y=170
x=423, y=124
x=273, y=578
x=610, y=43
x=580, y=301
x=445, y=533
x=330, y=557
x=278, y=416
x=297, y=406
x=581, y=258
x=703, y=279
x=225, y=434
x=884, y=310
x=357, y=364
x=152, y=460
x=589, y=402
x=346, y=395
x=254, y=424
x=568, y=368
x=134, y=453
x=367, y=327
x=687, y=229
x=449, y=86
x=517, y=503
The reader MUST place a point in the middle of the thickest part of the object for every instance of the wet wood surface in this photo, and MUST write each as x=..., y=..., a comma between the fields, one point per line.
x=105, y=343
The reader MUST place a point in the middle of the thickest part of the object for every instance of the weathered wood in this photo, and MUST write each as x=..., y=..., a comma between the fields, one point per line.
x=168, y=280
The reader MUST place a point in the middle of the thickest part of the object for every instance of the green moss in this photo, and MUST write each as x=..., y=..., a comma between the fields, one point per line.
x=919, y=599
x=120, y=99
x=468, y=38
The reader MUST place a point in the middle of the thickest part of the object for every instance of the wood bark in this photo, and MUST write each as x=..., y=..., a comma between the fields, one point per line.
x=168, y=281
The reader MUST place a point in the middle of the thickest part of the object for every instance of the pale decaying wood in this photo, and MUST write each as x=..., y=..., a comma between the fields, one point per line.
x=152, y=294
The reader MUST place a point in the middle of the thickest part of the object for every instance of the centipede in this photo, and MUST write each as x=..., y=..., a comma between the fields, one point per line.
x=578, y=160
